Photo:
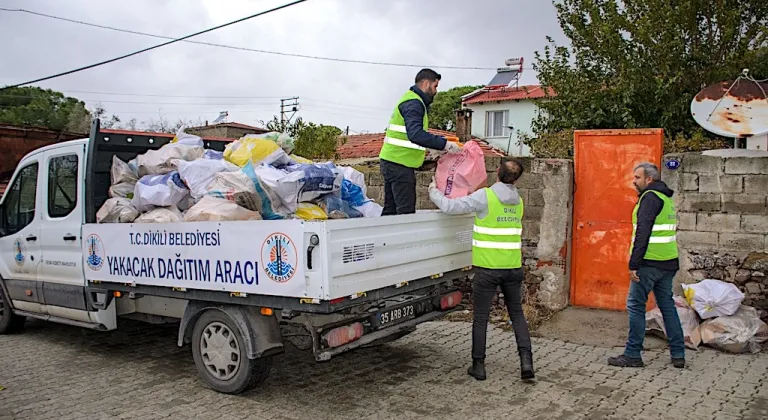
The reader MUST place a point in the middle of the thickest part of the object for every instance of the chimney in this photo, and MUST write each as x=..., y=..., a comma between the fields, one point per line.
x=464, y=124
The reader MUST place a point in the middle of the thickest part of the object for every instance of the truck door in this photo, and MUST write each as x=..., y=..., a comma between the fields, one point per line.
x=61, y=212
x=20, y=252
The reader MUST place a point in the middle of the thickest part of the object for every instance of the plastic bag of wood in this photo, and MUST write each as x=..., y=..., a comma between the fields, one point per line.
x=738, y=333
x=246, y=189
x=168, y=214
x=198, y=174
x=251, y=148
x=189, y=139
x=654, y=322
x=212, y=209
x=712, y=298
x=164, y=160
x=122, y=172
x=370, y=209
x=309, y=211
x=461, y=174
x=117, y=210
x=159, y=191
x=336, y=208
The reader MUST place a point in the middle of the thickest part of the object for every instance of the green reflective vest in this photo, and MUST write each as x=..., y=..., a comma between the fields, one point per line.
x=662, y=245
x=497, y=238
x=397, y=148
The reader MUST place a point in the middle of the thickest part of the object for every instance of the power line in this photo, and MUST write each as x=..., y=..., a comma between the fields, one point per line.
x=314, y=57
x=162, y=96
x=153, y=47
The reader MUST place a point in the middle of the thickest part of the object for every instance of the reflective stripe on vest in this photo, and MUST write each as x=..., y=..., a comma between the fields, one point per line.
x=662, y=244
x=397, y=148
x=497, y=238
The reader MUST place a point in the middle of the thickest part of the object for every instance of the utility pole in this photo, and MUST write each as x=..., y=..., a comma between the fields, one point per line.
x=288, y=105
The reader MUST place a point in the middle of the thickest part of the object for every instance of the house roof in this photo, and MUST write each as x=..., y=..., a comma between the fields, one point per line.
x=502, y=94
x=369, y=145
x=231, y=125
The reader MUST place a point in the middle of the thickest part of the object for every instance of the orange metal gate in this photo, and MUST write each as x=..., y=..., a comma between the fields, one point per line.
x=604, y=197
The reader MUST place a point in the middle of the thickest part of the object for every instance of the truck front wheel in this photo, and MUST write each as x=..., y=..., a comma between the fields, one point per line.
x=218, y=348
x=9, y=322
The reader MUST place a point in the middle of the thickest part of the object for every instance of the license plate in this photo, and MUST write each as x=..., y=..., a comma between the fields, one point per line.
x=393, y=316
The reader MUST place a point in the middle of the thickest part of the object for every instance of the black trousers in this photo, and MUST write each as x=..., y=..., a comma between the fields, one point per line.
x=399, y=188
x=484, y=287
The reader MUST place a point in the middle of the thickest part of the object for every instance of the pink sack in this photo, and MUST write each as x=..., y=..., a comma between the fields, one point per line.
x=461, y=174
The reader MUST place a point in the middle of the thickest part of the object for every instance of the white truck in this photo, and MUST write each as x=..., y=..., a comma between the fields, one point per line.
x=236, y=289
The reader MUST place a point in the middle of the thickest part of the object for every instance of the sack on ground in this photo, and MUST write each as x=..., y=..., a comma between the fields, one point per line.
x=251, y=148
x=689, y=320
x=212, y=209
x=117, y=210
x=738, y=333
x=309, y=211
x=188, y=139
x=122, y=172
x=168, y=214
x=336, y=208
x=370, y=209
x=461, y=174
x=199, y=173
x=163, y=160
x=159, y=191
x=711, y=298
x=122, y=190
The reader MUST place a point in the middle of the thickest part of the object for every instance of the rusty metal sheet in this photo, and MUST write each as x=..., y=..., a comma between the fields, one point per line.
x=739, y=112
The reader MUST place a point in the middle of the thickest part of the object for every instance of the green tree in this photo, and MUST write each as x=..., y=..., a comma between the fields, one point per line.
x=441, y=113
x=639, y=63
x=44, y=108
x=312, y=141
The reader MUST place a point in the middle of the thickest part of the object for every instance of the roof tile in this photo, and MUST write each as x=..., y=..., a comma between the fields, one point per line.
x=369, y=145
x=502, y=94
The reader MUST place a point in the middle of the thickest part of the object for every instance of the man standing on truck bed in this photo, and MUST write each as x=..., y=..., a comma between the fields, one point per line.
x=652, y=266
x=405, y=144
x=497, y=258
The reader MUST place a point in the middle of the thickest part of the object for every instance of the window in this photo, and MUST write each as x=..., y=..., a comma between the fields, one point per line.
x=496, y=124
x=19, y=206
x=62, y=185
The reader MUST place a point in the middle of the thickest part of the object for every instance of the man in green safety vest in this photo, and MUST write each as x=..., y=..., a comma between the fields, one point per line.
x=405, y=143
x=652, y=266
x=497, y=259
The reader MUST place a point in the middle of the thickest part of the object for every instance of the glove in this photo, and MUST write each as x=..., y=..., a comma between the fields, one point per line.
x=452, y=147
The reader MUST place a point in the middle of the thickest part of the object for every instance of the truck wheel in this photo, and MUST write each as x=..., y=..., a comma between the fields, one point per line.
x=219, y=351
x=9, y=322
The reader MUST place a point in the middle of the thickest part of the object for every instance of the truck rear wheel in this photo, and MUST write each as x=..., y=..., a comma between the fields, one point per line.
x=218, y=348
x=9, y=322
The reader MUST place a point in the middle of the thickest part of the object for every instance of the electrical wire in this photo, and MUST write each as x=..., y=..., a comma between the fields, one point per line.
x=314, y=57
x=274, y=9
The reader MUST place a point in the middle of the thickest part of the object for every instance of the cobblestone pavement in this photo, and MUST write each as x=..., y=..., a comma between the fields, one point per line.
x=58, y=372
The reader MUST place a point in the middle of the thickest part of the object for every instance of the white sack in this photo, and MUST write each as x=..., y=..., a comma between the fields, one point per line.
x=287, y=186
x=163, y=160
x=198, y=174
x=159, y=191
x=161, y=215
x=117, y=210
x=218, y=209
x=738, y=333
x=711, y=298
x=122, y=172
x=122, y=190
x=654, y=321
x=370, y=209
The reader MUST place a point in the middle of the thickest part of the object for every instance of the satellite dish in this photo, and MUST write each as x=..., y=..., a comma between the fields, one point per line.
x=736, y=109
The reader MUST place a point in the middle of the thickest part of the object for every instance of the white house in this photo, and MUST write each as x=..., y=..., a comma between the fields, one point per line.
x=496, y=108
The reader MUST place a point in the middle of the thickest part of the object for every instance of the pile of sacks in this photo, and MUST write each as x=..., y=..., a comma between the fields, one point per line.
x=255, y=178
x=727, y=324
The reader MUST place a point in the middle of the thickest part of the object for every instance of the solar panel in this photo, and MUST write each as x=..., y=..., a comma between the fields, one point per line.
x=504, y=77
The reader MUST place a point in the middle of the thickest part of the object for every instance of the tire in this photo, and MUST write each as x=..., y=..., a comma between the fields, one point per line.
x=230, y=373
x=10, y=323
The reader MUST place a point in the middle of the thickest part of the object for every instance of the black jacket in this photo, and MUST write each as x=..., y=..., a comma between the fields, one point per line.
x=413, y=113
x=650, y=207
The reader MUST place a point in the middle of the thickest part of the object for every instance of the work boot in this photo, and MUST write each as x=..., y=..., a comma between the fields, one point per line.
x=477, y=370
x=624, y=361
x=526, y=365
x=678, y=363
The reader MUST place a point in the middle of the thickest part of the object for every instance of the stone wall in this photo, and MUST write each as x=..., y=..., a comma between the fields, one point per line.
x=722, y=205
x=546, y=190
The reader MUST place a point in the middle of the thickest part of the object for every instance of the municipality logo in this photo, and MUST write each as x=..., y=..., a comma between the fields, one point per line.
x=95, y=256
x=18, y=252
x=279, y=257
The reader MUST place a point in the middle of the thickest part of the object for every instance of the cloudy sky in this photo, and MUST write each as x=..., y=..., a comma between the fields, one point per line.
x=191, y=81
